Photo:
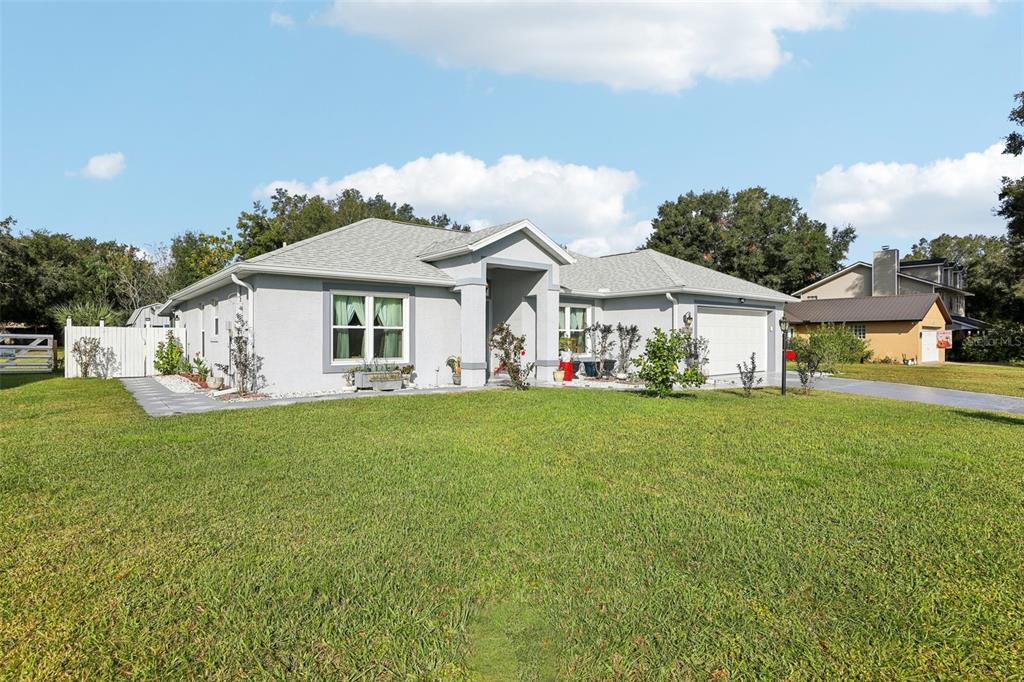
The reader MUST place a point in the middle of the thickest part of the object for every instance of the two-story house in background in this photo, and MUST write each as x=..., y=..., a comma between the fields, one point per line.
x=900, y=308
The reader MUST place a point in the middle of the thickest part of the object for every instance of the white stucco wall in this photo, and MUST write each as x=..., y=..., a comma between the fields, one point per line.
x=197, y=316
x=291, y=333
x=648, y=312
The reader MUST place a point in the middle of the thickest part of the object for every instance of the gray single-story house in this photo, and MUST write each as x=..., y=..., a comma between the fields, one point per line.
x=413, y=294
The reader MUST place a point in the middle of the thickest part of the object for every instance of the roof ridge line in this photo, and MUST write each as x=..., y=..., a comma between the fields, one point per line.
x=672, y=278
x=316, y=237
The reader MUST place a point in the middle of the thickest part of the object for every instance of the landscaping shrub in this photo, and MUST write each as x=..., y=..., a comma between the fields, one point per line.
x=200, y=367
x=511, y=349
x=807, y=361
x=601, y=343
x=660, y=361
x=244, y=364
x=86, y=313
x=169, y=357
x=1004, y=342
x=748, y=375
x=86, y=352
x=695, y=354
x=629, y=337
x=837, y=344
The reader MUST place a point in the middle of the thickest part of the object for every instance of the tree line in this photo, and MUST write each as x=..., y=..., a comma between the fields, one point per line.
x=44, y=276
x=751, y=234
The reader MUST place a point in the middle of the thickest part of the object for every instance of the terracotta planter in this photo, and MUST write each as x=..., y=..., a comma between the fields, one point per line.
x=558, y=375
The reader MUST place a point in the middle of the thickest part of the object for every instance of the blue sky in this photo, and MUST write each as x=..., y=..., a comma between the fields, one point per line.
x=875, y=115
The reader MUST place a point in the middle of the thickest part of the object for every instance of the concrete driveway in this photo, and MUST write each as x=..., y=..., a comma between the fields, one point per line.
x=918, y=394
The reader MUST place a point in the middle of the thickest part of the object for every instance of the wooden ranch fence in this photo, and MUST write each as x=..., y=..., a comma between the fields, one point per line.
x=25, y=353
x=126, y=351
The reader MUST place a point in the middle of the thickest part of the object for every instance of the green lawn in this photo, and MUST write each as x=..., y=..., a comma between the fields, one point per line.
x=501, y=535
x=965, y=376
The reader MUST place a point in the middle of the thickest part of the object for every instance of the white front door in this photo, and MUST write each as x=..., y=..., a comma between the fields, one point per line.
x=929, y=345
x=733, y=334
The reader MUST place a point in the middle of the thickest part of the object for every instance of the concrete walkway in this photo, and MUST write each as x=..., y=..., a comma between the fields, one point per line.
x=919, y=394
x=159, y=401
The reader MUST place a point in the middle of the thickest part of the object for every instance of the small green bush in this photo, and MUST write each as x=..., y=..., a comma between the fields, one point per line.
x=511, y=350
x=86, y=313
x=835, y=344
x=808, y=361
x=1004, y=342
x=170, y=356
x=663, y=353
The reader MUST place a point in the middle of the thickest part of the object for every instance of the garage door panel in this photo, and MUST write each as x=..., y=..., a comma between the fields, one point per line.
x=733, y=334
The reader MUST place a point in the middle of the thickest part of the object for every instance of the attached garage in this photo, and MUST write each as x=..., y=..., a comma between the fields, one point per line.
x=733, y=334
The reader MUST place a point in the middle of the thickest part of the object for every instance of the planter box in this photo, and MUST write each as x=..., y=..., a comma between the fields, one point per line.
x=362, y=379
x=387, y=384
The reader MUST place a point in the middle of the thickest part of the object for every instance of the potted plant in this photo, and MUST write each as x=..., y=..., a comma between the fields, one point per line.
x=454, y=363
x=386, y=381
x=407, y=371
x=361, y=376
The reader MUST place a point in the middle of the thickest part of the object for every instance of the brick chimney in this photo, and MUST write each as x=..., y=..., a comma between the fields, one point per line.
x=883, y=272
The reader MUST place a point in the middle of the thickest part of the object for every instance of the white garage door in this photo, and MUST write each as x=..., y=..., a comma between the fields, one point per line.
x=733, y=334
x=929, y=345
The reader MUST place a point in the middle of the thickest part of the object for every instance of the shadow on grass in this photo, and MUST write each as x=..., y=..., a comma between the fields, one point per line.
x=993, y=417
x=23, y=379
x=647, y=395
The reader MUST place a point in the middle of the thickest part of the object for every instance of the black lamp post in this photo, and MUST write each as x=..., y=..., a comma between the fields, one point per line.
x=784, y=328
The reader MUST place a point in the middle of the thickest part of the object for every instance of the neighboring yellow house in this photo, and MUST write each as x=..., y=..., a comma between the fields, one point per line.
x=899, y=327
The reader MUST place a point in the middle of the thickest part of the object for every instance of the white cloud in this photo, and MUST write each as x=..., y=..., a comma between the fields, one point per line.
x=582, y=206
x=281, y=19
x=103, y=167
x=887, y=201
x=659, y=46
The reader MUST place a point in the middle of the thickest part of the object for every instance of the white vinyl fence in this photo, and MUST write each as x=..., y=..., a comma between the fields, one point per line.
x=124, y=351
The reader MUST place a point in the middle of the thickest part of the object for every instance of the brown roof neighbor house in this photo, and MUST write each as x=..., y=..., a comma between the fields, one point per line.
x=887, y=275
x=906, y=327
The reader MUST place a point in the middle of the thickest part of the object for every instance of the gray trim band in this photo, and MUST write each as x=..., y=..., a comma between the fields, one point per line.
x=474, y=365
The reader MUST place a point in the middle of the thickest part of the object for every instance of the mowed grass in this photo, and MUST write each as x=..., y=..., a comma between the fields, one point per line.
x=502, y=535
x=964, y=376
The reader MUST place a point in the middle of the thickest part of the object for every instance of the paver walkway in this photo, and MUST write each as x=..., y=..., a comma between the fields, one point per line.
x=918, y=394
x=159, y=401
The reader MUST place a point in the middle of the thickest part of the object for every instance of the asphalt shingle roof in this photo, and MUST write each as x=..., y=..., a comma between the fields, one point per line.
x=369, y=247
x=454, y=239
x=384, y=248
x=647, y=270
x=862, y=309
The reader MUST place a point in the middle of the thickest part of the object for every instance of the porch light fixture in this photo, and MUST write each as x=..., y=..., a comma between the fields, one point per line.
x=687, y=319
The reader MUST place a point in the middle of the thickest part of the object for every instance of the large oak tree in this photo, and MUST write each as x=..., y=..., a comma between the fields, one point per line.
x=752, y=234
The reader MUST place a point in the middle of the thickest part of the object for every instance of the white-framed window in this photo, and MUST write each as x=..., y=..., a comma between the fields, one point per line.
x=572, y=320
x=366, y=327
x=859, y=331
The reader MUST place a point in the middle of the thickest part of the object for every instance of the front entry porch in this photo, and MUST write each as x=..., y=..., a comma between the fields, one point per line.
x=522, y=296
